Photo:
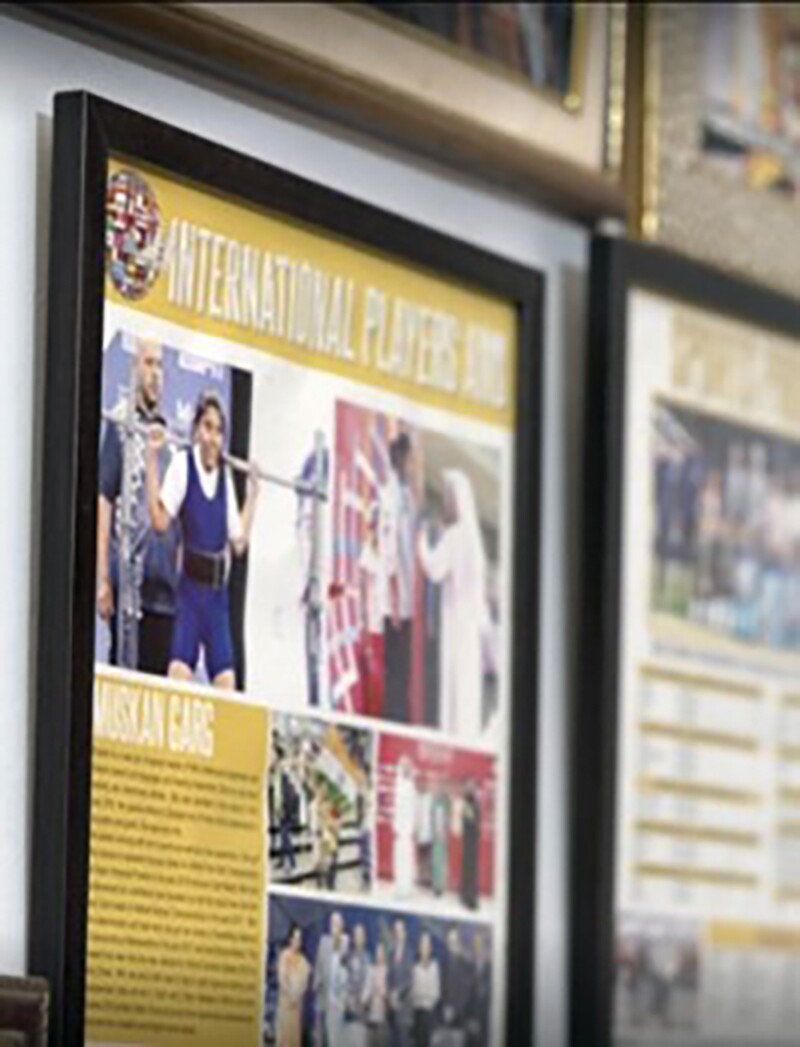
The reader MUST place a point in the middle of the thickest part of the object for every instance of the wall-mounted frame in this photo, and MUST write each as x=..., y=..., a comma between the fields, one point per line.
x=23, y=1011
x=510, y=114
x=720, y=153
x=685, y=920
x=226, y=695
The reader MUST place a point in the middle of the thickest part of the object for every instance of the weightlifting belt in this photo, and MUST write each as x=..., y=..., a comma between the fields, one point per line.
x=209, y=569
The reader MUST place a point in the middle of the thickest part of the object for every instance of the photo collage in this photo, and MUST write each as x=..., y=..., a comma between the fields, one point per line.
x=265, y=536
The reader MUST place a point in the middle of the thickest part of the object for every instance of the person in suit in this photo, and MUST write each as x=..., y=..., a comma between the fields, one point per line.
x=471, y=842
x=401, y=979
x=358, y=967
x=456, y=985
x=286, y=817
x=330, y=981
x=478, y=1015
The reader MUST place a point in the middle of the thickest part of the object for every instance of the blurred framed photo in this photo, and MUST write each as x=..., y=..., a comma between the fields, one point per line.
x=288, y=617
x=721, y=136
x=542, y=44
x=686, y=882
x=533, y=95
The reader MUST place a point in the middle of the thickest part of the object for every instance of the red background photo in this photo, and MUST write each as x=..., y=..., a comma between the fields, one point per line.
x=362, y=472
x=440, y=765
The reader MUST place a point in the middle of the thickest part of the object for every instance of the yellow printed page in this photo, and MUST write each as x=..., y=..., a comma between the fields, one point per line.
x=177, y=878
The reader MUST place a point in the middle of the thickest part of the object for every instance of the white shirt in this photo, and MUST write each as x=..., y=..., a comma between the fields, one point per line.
x=425, y=818
x=397, y=532
x=377, y=602
x=176, y=480
x=405, y=805
x=425, y=987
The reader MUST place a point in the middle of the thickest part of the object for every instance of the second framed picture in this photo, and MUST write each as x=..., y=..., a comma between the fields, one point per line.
x=287, y=697
x=721, y=136
x=686, y=877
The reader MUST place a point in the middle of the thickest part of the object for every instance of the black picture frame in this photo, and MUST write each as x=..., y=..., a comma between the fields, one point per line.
x=87, y=130
x=617, y=267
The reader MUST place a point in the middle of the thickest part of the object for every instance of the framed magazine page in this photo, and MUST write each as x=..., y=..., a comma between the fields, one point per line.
x=686, y=883
x=287, y=643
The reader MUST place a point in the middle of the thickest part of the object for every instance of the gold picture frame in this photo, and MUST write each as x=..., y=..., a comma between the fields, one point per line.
x=717, y=174
x=572, y=98
x=350, y=63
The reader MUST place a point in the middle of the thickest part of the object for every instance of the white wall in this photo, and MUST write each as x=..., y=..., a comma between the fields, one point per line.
x=34, y=64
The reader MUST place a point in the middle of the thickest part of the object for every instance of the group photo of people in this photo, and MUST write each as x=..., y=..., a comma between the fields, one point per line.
x=320, y=803
x=435, y=824
x=413, y=623
x=173, y=517
x=657, y=978
x=363, y=977
x=726, y=543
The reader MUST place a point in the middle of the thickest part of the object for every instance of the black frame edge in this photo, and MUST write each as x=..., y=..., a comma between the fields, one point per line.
x=594, y=740
x=60, y=832
x=521, y=967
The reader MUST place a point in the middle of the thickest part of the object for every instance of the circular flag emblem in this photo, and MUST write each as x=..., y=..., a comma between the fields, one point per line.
x=134, y=246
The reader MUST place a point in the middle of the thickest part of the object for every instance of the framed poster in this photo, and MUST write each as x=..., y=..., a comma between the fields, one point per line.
x=721, y=137
x=686, y=883
x=291, y=469
x=534, y=95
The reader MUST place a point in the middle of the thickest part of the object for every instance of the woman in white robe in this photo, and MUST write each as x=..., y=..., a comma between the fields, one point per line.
x=458, y=562
x=405, y=808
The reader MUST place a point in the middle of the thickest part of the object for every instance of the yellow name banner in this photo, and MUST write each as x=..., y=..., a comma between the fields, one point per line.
x=736, y=370
x=745, y=936
x=275, y=285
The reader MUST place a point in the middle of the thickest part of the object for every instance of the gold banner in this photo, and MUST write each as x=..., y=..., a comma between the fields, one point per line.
x=260, y=280
x=752, y=936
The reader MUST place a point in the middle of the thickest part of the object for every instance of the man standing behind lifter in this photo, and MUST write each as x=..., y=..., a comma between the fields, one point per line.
x=153, y=561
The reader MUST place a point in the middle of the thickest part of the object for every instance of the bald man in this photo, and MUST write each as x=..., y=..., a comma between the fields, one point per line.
x=154, y=555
